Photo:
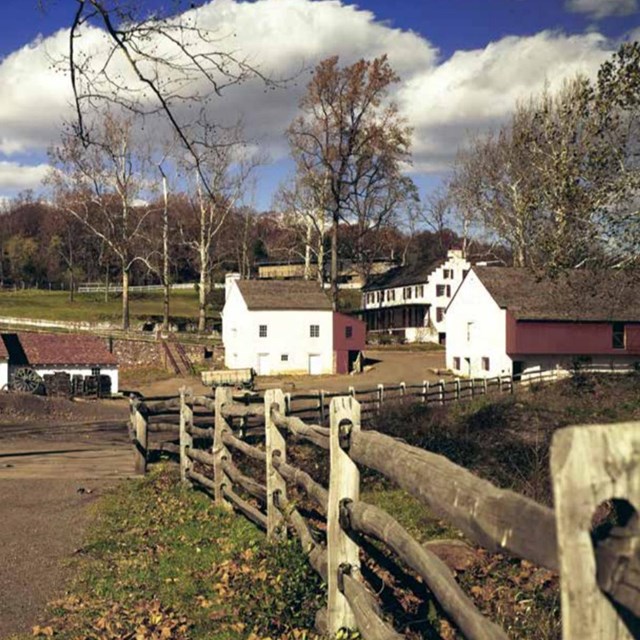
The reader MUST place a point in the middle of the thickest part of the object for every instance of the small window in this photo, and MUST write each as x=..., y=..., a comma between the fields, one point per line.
x=485, y=364
x=440, y=290
x=456, y=364
x=617, y=341
x=389, y=292
x=439, y=314
x=393, y=294
x=408, y=290
x=284, y=357
x=314, y=330
x=448, y=291
x=445, y=274
x=262, y=331
x=348, y=332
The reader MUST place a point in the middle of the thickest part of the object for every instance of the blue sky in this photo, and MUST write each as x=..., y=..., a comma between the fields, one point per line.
x=463, y=63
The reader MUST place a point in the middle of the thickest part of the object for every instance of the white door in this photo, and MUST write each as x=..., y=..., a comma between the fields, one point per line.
x=263, y=364
x=315, y=363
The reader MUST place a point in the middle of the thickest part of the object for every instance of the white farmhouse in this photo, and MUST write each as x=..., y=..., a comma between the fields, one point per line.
x=4, y=366
x=288, y=327
x=506, y=321
x=410, y=302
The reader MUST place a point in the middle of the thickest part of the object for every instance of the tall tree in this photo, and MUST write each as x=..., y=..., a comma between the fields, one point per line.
x=350, y=144
x=100, y=186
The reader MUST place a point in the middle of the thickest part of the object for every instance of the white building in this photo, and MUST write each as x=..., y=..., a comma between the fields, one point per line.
x=505, y=321
x=4, y=366
x=411, y=302
x=48, y=353
x=287, y=327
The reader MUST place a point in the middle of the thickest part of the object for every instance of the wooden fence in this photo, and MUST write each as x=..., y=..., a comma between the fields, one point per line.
x=590, y=464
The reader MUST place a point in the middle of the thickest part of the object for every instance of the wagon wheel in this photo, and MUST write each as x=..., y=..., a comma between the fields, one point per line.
x=26, y=380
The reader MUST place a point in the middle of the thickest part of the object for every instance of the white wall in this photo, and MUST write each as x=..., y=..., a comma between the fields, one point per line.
x=288, y=333
x=476, y=327
x=4, y=374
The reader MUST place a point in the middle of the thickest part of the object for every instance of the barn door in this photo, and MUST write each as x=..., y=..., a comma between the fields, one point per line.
x=263, y=364
x=315, y=363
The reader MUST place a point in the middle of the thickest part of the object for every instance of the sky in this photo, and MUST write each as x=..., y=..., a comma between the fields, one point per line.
x=463, y=66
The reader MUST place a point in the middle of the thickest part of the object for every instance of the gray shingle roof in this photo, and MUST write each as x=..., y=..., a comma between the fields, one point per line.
x=578, y=295
x=403, y=276
x=283, y=295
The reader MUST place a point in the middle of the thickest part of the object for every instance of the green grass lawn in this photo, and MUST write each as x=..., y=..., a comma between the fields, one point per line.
x=162, y=561
x=91, y=307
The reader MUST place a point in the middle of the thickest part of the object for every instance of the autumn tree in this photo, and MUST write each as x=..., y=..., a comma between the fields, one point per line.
x=349, y=144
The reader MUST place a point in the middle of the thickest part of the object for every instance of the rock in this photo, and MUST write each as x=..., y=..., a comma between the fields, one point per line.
x=456, y=554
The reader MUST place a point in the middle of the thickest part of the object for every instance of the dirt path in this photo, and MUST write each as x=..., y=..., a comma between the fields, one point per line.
x=49, y=475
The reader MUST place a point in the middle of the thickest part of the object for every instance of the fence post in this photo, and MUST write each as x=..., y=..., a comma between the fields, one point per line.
x=352, y=392
x=403, y=391
x=442, y=400
x=500, y=384
x=425, y=392
x=186, y=439
x=276, y=485
x=484, y=386
x=344, y=484
x=380, y=396
x=589, y=465
x=139, y=436
x=457, y=388
x=224, y=396
x=287, y=403
x=321, y=411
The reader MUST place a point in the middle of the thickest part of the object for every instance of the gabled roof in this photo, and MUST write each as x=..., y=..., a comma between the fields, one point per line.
x=403, y=276
x=39, y=349
x=577, y=295
x=283, y=295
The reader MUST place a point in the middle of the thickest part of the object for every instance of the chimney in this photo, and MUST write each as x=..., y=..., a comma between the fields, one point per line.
x=229, y=278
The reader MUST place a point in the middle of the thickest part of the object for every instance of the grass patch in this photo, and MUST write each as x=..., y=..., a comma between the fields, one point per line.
x=161, y=561
x=134, y=376
x=91, y=307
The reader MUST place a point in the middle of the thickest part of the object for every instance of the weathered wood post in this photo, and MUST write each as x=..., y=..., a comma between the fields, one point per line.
x=220, y=452
x=442, y=390
x=484, y=386
x=287, y=403
x=589, y=465
x=344, y=484
x=457, y=388
x=276, y=485
x=403, y=391
x=352, y=392
x=139, y=435
x=425, y=392
x=186, y=439
x=380, y=396
x=321, y=408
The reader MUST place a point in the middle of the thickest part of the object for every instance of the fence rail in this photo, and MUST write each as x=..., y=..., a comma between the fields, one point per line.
x=590, y=465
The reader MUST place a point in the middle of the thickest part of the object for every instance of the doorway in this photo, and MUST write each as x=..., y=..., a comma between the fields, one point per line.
x=315, y=364
x=263, y=364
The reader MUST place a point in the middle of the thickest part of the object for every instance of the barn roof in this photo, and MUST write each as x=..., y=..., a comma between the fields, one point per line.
x=283, y=295
x=578, y=295
x=57, y=349
x=403, y=276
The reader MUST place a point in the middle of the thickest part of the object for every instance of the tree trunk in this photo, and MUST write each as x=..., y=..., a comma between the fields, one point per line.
x=165, y=258
x=125, y=297
x=334, y=263
x=72, y=285
x=202, y=299
x=307, y=252
x=106, y=285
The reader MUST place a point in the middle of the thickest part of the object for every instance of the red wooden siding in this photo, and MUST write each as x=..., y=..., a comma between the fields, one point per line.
x=574, y=338
x=341, y=344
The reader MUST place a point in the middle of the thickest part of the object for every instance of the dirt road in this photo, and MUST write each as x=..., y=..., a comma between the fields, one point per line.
x=49, y=475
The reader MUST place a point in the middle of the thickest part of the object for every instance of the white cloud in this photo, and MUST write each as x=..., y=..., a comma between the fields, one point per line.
x=14, y=175
x=602, y=8
x=441, y=99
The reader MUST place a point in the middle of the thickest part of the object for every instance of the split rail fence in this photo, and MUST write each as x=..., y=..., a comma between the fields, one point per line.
x=218, y=437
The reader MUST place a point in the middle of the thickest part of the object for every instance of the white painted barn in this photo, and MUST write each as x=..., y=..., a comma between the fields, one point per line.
x=410, y=302
x=506, y=321
x=48, y=353
x=4, y=366
x=287, y=327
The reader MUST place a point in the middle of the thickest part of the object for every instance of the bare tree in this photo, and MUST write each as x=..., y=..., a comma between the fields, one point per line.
x=100, y=185
x=349, y=138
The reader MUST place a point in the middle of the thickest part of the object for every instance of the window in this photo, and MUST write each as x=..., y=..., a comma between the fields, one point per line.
x=393, y=294
x=262, y=331
x=448, y=291
x=440, y=290
x=439, y=314
x=407, y=293
x=485, y=364
x=446, y=274
x=456, y=364
x=314, y=330
x=617, y=341
x=419, y=291
x=284, y=357
x=389, y=292
x=348, y=332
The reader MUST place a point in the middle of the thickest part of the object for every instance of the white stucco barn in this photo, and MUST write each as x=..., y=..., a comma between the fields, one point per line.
x=287, y=327
x=48, y=353
x=507, y=321
x=4, y=366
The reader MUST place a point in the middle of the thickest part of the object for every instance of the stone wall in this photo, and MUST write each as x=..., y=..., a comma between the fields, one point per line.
x=139, y=353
